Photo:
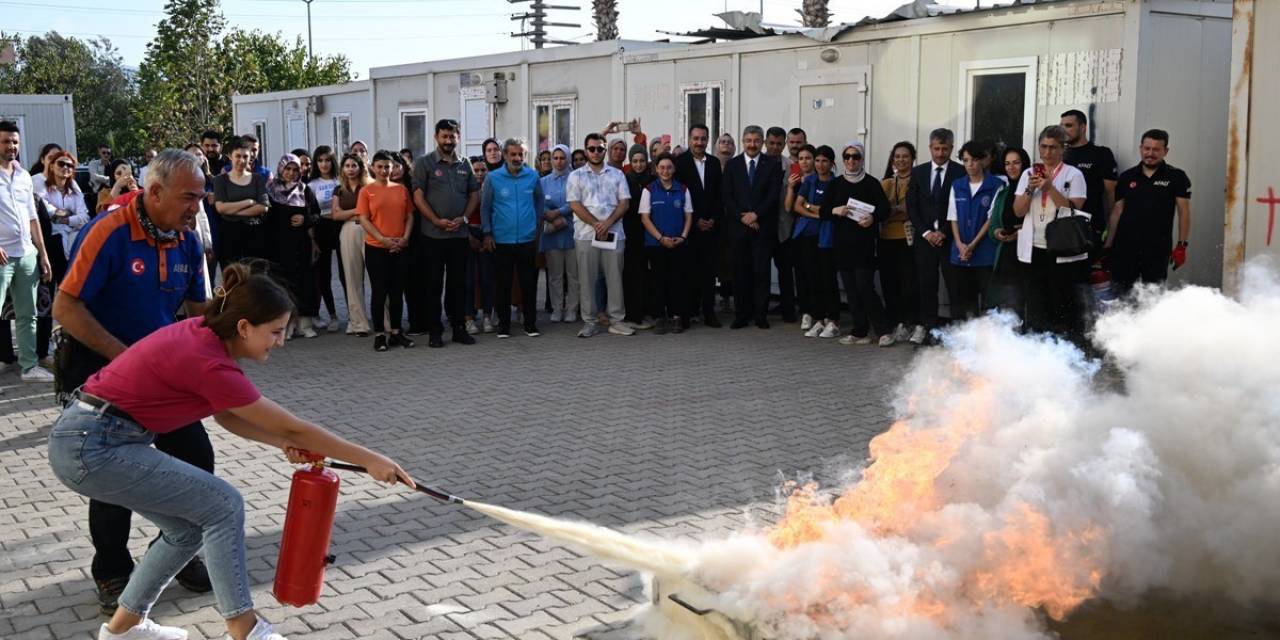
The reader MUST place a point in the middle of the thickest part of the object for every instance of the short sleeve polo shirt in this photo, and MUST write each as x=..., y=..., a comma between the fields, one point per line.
x=131, y=284
x=447, y=187
x=1150, y=204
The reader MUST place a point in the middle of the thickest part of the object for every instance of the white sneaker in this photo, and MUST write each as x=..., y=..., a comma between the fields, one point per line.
x=556, y=316
x=305, y=328
x=588, y=330
x=488, y=324
x=831, y=330
x=621, y=329
x=645, y=324
x=146, y=630
x=918, y=335
x=815, y=330
x=37, y=374
x=806, y=323
x=571, y=315
x=901, y=333
x=262, y=631
x=887, y=340
x=318, y=324
x=333, y=325
x=471, y=327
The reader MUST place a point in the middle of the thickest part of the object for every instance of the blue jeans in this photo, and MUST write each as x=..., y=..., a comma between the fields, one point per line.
x=19, y=279
x=111, y=459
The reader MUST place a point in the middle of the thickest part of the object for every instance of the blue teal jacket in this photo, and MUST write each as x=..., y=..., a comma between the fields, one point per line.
x=511, y=207
x=971, y=214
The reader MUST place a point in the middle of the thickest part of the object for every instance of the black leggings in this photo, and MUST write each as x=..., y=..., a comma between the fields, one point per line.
x=326, y=232
x=864, y=302
x=387, y=273
x=668, y=289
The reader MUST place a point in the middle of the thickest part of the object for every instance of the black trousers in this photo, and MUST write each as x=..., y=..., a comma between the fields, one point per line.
x=703, y=260
x=326, y=232
x=667, y=289
x=1059, y=298
x=898, y=282
x=749, y=252
x=243, y=241
x=805, y=249
x=1131, y=266
x=416, y=284
x=784, y=260
x=386, y=279
x=519, y=258
x=828, y=287
x=446, y=274
x=864, y=302
x=109, y=524
x=1005, y=289
x=931, y=260
x=971, y=291
x=635, y=276
x=292, y=261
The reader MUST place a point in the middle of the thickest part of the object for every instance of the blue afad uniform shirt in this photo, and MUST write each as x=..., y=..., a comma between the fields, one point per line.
x=666, y=210
x=131, y=284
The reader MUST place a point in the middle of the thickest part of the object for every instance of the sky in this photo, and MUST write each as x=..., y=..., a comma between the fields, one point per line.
x=376, y=33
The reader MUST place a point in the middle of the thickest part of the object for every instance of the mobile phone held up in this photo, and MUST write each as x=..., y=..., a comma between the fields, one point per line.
x=1039, y=169
x=795, y=168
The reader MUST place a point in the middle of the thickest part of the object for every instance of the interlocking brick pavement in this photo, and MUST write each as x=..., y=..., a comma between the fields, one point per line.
x=680, y=436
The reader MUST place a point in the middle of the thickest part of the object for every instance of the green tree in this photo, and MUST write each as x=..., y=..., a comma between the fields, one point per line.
x=268, y=62
x=91, y=71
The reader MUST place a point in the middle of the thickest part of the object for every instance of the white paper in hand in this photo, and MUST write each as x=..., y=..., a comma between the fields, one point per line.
x=858, y=210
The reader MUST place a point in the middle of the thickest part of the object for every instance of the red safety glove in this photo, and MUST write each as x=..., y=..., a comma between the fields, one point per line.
x=1179, y=256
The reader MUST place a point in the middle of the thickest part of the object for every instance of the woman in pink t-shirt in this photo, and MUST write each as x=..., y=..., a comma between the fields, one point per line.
x=101, y=447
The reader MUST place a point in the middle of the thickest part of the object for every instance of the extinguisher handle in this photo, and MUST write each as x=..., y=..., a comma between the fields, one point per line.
x=434, y=493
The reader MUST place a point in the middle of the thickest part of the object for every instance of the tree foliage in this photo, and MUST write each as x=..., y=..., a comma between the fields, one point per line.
x=814, y=13
x=91, y=71
x=605, y=14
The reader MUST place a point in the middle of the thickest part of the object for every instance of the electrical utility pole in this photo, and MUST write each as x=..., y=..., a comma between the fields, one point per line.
x=311, y=52
x=536, y=18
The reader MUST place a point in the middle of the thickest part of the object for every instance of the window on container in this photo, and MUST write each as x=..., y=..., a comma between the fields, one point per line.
x=342, y=133
x=413, y=132
x=260, y=132
x=702, y=105
x=997, y=110
x=553, y=123
x=564, y=126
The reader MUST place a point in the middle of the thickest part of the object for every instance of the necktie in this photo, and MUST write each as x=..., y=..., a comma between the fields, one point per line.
x=936, y=193
x=751, y=172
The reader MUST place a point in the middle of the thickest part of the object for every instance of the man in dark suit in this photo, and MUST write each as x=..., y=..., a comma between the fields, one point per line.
x=927, y=198
x=752, y=192
x=700, y=173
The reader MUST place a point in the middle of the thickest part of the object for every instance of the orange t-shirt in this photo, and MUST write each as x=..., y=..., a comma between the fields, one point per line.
x=386, y=207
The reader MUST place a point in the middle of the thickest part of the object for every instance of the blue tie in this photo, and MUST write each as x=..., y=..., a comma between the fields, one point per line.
x=751, y=172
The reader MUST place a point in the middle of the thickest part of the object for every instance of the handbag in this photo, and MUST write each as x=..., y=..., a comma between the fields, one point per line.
x=1068, y=236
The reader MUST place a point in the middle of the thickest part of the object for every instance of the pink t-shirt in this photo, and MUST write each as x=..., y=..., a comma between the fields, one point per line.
x=177, y=375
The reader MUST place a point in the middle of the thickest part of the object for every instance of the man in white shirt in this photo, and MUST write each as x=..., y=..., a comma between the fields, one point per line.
x=23, y=262
x=599, y=197
x=98, y=167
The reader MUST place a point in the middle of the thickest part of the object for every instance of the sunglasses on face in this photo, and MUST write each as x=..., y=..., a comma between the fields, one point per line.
x=595, y=149
x=66, y=165
x=852, y=156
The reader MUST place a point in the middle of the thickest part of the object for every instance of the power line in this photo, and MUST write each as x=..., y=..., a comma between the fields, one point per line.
x=349, y=39
x=157, y=12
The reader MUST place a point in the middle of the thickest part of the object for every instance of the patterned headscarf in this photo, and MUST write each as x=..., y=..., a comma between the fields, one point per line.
x=293, y=194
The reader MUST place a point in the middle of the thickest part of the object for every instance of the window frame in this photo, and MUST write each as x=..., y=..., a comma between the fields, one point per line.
x=704, y=87
x=259, y=127
x=469, y=94
x=426, y=130
x=554, y=103
x=970, y=69
x=341, y=149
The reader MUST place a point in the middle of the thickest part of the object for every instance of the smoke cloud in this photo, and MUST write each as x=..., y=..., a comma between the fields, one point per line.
x=1021, y=480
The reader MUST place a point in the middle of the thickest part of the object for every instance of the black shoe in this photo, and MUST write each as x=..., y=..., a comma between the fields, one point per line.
x=436, y=341
x=195, y=577
x=109, y=594
x=711, y=320
x=789, y=318
x=661, y=328
x=678, y=325
x=739, y=323
x=361, y=334
x=504, y=332
x=401, y=340
x=531, y=330
x=461, y=336
x=762, y=323
x=380, y=342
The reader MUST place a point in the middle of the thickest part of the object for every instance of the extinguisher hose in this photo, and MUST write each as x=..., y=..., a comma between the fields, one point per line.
x=431, y=491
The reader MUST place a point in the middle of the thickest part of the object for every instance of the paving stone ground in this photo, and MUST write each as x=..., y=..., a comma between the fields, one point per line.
x=680, y=436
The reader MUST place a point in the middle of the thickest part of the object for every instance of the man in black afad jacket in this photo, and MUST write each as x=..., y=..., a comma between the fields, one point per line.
x=752, y=193
x=927, y=198
x=700, y=172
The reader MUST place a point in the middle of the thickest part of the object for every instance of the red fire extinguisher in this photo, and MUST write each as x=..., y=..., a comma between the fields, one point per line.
x=304, y=547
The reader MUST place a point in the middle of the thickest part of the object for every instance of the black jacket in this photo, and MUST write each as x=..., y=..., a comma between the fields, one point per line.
x=854, y=244
x=708, y=201
x=921, y=208
x=762, y=196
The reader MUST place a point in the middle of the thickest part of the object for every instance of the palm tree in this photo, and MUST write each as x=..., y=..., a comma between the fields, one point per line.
x=814, y=13
x=605, y=13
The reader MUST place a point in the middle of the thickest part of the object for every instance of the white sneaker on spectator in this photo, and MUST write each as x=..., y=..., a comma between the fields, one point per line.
x=918, y=335
x=319, y=324
x=556, y=316
x=471, y=327
x=571, y=315
x=37, y=374
x=621, y=329
x=262, y=631
x=806, y=323
x=333, y=325
x=815, y=330
x=887, y=340
x=901, y=333
x=145, y=630
x=588, y=330
x=830, y=331
x=488, y=323
x=645, y=324
x=304, y=328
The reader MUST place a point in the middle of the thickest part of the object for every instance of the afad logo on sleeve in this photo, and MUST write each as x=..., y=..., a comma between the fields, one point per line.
x=137, y=267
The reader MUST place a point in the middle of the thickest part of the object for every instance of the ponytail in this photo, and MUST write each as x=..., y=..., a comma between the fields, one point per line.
x=246, y=294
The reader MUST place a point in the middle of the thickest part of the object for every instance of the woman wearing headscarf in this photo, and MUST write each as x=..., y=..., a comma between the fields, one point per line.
x=857, y=205
x=557, y=239
x=635, y=268
x=492, y=150
x=291, y=216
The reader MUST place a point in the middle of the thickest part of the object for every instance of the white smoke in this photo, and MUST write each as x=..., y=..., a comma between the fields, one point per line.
x=1162, y=472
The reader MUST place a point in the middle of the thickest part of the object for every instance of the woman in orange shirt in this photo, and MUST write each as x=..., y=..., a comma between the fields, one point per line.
x=386, y=213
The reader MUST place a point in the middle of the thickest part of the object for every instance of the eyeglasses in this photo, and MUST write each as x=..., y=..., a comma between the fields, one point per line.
x=852, y=156
x=66, y=165
x=595, y=149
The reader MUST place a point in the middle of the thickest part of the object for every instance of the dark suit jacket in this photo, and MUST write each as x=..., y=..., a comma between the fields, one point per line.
x=762, y=196
x=708, y=202
x=921, y=208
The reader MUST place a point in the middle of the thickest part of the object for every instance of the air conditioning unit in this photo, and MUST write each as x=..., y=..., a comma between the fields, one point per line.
x=495, y=90
x=315, y=104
